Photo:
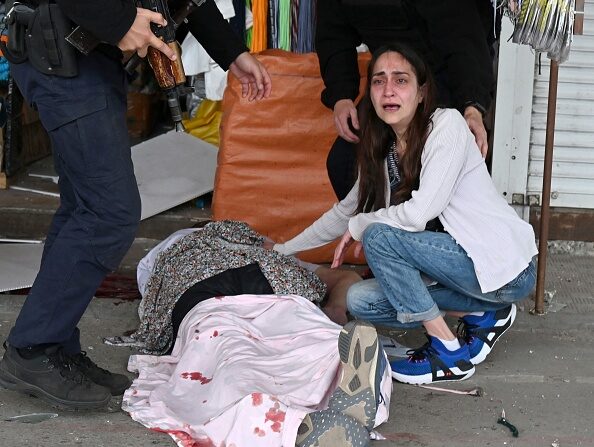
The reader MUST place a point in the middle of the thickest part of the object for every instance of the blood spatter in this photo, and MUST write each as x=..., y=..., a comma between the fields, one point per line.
x=196, y=376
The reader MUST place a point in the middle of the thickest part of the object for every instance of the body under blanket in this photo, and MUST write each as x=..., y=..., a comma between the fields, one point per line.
x=244, y=371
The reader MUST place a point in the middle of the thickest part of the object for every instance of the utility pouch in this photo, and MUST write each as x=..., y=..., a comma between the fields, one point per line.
x=17, y=20
x=38, y=33
x=47, y=48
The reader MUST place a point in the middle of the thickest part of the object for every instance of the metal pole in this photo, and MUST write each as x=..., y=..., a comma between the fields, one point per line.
x=546, y=189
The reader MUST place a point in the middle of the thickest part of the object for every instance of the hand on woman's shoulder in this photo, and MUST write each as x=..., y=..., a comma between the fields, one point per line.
x=447, y=116
x=451, y=132
x=447, y=124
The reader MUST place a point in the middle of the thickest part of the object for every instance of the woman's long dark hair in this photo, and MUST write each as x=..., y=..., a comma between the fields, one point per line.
x=377, y=137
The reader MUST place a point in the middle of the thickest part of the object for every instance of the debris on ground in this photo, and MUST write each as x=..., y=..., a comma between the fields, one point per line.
x=508, y=424
x=476, y=392
x=32, y=418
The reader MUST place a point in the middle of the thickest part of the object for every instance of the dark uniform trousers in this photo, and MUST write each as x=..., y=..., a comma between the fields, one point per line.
x=99, y=211
x=342, y=167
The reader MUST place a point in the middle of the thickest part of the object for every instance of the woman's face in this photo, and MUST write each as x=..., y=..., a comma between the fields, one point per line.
x=394, y=91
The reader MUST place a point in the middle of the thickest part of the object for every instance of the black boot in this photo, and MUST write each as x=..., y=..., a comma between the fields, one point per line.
x=53, y=377
x=115, y=383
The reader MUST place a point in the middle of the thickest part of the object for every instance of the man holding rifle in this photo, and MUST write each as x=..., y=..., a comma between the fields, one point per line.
x=81, y=101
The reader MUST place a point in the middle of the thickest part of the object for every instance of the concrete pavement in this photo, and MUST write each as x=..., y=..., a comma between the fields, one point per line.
x=541, y=373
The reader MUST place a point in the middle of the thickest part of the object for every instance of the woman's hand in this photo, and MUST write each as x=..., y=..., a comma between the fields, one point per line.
x=253, y=76
x=345, y=242
x=343, y=110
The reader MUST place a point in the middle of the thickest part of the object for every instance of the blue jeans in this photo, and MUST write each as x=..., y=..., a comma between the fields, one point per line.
x=85, y=117
x=399, y=297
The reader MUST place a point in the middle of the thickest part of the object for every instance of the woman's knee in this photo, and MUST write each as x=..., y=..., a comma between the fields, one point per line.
x=378, y=236
x=356, y=299
x=363, y=297
x=370, y=236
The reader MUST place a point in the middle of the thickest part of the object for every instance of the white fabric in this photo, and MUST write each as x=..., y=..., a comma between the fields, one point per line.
x=196, y=60
x=215, y=81
x=147, y=263
x=238, y=377
x=226, y=8
x=194, y=57
x=454, y=186
x=249, y=18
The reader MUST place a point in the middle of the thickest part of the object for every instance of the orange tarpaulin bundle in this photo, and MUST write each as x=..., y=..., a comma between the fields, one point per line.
x=272, y=158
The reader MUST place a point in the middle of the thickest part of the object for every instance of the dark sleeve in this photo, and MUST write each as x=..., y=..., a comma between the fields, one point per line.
x=336, y=47
x=459, y=42
x=108, y=20
x=215, y=34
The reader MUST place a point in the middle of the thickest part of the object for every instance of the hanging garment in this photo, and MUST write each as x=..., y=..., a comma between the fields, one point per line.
x=294, y=24
x=284, y=25
x=238, y=377
x=219, y=246
x=259, y=30
x=306, y=28
x=196, y=60
x=272, y=28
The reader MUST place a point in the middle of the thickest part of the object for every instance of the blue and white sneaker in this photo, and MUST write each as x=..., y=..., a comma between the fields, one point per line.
x=481, y=333
x=432, y=363
x=363, y=364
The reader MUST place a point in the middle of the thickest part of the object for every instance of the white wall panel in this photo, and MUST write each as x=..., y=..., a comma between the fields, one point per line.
x=520, y=122
x=572, y=184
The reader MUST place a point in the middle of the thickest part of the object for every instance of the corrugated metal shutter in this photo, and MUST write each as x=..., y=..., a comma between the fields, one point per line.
x=573, y=157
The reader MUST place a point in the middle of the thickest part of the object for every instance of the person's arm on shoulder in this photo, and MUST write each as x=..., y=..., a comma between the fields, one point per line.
x=215, y=34
x=442, y=162
x=459, y=41
x=330, y=226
